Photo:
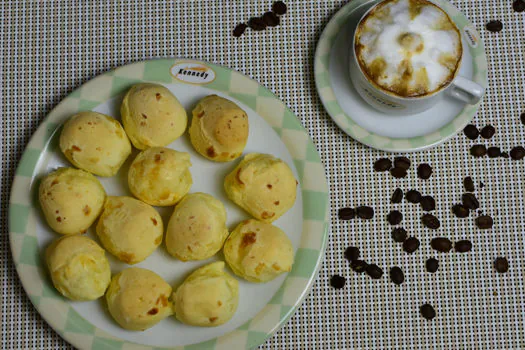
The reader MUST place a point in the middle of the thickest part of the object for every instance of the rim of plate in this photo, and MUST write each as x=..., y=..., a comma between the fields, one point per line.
x=373, y=140
x=57, y=311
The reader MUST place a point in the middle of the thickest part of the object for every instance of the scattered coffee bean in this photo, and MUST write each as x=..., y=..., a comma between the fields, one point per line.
x=337, y=281
x=413, y=196
x=481, y=185
x=468, y=184
x=382, y=164
x=484, y=222
x=424, y=171
x=494, y=152
x=430, y=221
x=441, y=244
x=463, y=246
x=501, y=265
x=427, y=311
x=460, y=211
x=394, y=217
x=397, y=196
x=396, y=275
x=518, y=5
x=487, y=132
x=522, y=118
x=271, y=19
x=470, y=201
x=505, y=155
x=402, y=162
x=517, y=153
x=358, y=266
x=432, y=265
x=411, y=244
x=471, y=132
x=399, y=234
x=239, y=30
x=365, y=212
x=427, y=203
x=279, y=8
x=478, y=150
x=494, y=26
x=256, y=24
x=352, y=253
x=346, y=213
x=398, y=173
x=374, y=271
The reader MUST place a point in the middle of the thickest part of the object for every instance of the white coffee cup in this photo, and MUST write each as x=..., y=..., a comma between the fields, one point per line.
x=386, y=101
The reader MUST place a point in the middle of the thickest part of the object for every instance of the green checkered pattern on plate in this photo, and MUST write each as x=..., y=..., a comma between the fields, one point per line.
x=345, y=122
x=23, y=206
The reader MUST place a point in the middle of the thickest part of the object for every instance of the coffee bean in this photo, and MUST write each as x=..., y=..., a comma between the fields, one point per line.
x=382, y=164
x=487, y=132
x=358, y=266
x=518, y=5
x=427, y=203
x=346, y=213
x=471, y=132
x=468, y=184
x=396, y=275
x=463, y=246
x=394, y=217
x=484, y=222
x=398, y=173
x=522, y=118
x=430, y=221
x=441, y=244
x=494, y=26
x=517, y=153
x=374, y=271
x=413, y=196
x=239, y=30
x=424, y=171
x=501, y=265
x=279, y=8
x=256, y=24
x=397, y=196
x=399, y=234
x=470, y=201
x=460, y=211
x=271, y=19
x=411, y=244
x=481, y=185
x=478, y=150
x=402, y=162
x=337, y=281
x=494, y=152
x=365, y=212
x=427, y=311
x=432, y=265
x=505, y=155
x=352, y=253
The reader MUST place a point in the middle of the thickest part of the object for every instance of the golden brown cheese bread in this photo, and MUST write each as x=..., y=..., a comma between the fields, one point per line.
x=152, y=116
x=207, y=298
x=95, y=142
x=129, y=229
x=71, y=200
x=219, y=129
x=262, y=185
x=78, y=267
x=258, y=251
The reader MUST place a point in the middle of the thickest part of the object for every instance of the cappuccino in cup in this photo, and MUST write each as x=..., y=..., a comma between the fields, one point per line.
x=408, y=48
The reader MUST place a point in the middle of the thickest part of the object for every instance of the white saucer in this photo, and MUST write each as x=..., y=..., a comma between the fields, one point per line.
x=382, y=131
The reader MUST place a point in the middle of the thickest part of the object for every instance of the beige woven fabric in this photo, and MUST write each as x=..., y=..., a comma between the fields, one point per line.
x=49, y=48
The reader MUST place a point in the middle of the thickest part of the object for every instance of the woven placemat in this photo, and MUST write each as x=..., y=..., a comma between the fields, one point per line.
x=49, y=48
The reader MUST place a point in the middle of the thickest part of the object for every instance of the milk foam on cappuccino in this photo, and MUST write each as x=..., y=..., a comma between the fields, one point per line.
x=410, y=48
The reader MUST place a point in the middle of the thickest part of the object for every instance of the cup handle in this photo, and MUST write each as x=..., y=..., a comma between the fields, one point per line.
x=466, y=90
